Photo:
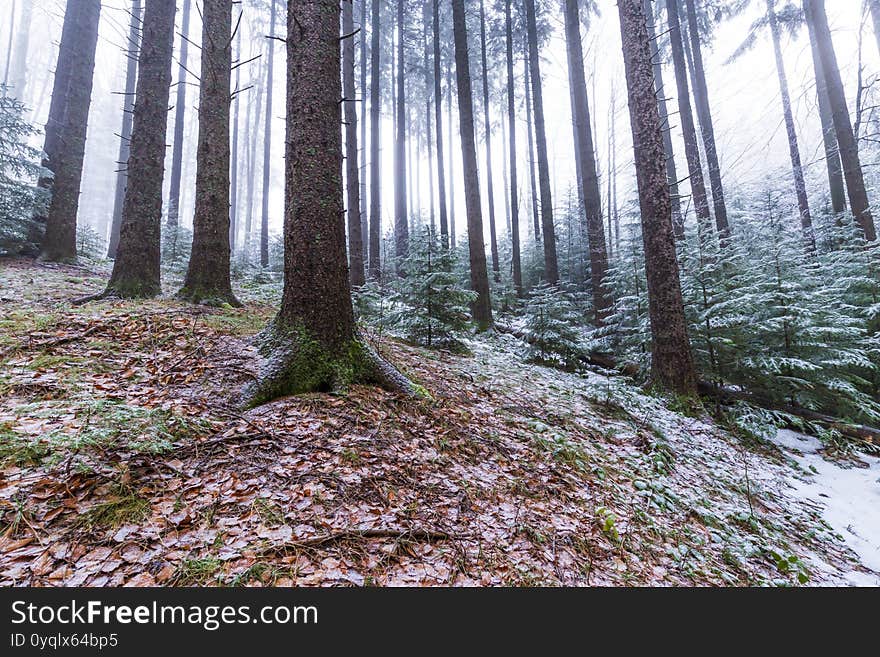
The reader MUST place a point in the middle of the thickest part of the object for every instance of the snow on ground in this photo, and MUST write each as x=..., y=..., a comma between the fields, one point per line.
x=849, y=497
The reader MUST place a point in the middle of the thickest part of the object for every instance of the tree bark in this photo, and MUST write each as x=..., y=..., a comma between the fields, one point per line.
x=849, y=152
x=136, y=268
x=179, y=119
x=375, y=140
x=267, y=142
x=530, y=135
x=671, y=362
x=451, y=159
x=313, y=344
x=401, y=221
x=589, y=181
x=689, y=132
x=207, y=277
x=701, y=99
x=438, y=122
x=481, y=307
x=352, y=174
x=429, y=90
x=836, y=187
x=59, y=243
x=800, y=186
x=234, y=184
x=511, y=122
x=362, y=153
x=125, y=131
x=490, y=187
x=551, y=267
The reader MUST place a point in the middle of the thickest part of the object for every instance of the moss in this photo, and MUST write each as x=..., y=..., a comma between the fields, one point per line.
x=209, y=297
x=133, y=289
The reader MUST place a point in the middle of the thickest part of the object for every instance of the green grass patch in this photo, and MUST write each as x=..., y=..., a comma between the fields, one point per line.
x=123, y=506
x=196, y=572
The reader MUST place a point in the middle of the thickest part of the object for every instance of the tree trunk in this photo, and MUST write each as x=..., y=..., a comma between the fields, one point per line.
x=9, y=47
x=207, y=277
x=179, y=119
x=589, y=181
x=252, y=167
x=800, y=186
x=829, y=137
x=701, y=99
x=533, y=183
x=490, y=187
x=451, y=158
x=511, y=122
x=59, y=243
x=365, y=236
x=551, y=268
x=671, y=361
x=669, y=151
x=481, y=307
x=401, y=221
x=267, y=143
x=438, y=98
x=127, y=117
x=313, y=344
x=849, y=152
x=137, y=264
x=429, y=89
x=19, y=75
x=874, y=6
x=233, y=202
x=375, y=138
x=352, y=174
x=689, y=131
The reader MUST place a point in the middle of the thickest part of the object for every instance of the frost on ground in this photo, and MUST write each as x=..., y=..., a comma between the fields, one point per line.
x=124, y=461
x=848, y=494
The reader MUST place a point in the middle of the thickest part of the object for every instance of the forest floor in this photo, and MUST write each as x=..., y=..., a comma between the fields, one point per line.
x=124, y=460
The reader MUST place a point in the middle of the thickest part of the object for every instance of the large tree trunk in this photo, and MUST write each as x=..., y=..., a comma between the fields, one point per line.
x=671, y=361
x=490, y=187
x=438, y=115
x=671, y=172
x=551, y=268
x=352, y=175
x=313, y=343
x=689, y=131
x=59, y=243
x=19, y=75
x=375, y=139
x=481, y=307
x=137, y=264
x=836, y=187
x=849, y=152
x=57, y=112
x=207, y=276
x=267, y=142
x=125, y=132
x=589, y=181
x=530, y=136
x=800, y=186
x=701, y=99
x=451, y=158
x=365, y=236
x=511, y=122
x=179, y=119
x=401, y=221
x=233, y=201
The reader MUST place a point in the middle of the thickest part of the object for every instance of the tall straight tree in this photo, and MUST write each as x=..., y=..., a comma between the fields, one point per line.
x=60, y=240
x=671, y=172
x=451, y=158
x=179, y=120
x=482, y=306
x=136, y=268
x=234, y=184
x=313, y=342
x=438, y=122
x=530, y=125
x=207, y=276
x=589, y=181
x=490, y=187
x=352, y=175
x=800, y=186
x=267, y=140
x=511, y=122
x=375, y=267
x=252, y=164
x=688, y=129
x=836, y=188
x=671, y=360
x=127, y=117
x=401, y=220
x=701, y=100
x=849, y=151
x=365, y=237
x=429, y=88
x=19, y=74
x=551, y=268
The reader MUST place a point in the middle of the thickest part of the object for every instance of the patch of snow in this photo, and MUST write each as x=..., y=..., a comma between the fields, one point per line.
x=849, y=496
